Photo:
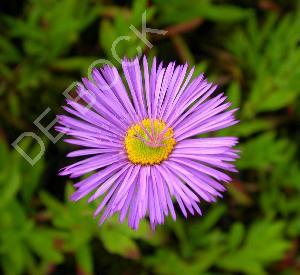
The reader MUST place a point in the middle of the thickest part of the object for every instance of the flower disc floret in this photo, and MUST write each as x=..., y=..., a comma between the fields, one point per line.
x=149, y=142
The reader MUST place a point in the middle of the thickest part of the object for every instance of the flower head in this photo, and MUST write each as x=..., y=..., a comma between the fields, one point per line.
x=141, y=139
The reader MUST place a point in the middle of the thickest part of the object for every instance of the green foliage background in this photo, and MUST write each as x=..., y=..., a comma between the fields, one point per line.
x=250, y=48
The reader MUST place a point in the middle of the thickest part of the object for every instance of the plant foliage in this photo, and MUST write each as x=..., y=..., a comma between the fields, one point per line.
x=250, y=48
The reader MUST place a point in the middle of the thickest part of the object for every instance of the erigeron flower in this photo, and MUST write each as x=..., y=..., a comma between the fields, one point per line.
x=142, y=141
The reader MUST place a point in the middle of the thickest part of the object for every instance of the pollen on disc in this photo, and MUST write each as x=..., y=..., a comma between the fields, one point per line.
x=149, y=142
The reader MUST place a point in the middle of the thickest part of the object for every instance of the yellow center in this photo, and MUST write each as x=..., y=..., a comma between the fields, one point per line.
x=149, y=142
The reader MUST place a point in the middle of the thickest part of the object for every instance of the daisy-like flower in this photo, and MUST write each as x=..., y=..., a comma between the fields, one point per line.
x=141, y=139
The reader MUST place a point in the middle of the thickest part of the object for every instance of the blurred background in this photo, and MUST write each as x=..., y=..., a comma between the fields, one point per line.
x=250, y=48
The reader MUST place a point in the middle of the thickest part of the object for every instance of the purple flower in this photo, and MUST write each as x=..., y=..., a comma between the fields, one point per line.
x=141, y=139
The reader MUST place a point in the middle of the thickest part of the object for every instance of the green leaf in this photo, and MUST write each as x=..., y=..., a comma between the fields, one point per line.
x=236, y=235
x=84, y=260
x=118, y=243
x=264, y=244
x=8, y=52
x=176, y=11
x=264, y=152
x=11, y=184
x=234, y=95
x=268, y=53
x=42, y=242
